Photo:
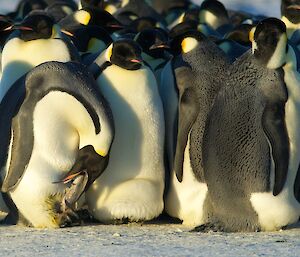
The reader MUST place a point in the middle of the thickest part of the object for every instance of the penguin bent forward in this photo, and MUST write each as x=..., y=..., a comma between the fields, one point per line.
x=251, y=146
x=55, y=127
x=132, y=186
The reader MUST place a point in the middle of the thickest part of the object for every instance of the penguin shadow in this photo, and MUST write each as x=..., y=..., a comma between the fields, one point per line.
x=15, y=69
x=129, y=157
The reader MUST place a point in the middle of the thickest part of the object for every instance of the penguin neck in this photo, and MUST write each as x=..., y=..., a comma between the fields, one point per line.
x=19, y=57
x=292, y=114
x=291, y=59
x=290, y=27
x=279, y=56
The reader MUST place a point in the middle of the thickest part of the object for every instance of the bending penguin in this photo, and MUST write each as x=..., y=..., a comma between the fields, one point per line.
x=132, y=186
x=251, y=146
x=56, y=132
x=198, y=70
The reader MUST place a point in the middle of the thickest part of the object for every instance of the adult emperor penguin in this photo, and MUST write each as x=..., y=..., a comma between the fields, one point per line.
x=199, y=71
x=55, y=126
x=215, y=15
x=154, y=44
x=132, y=186
x=290, y=15
x=37, y=40
x=251, y=142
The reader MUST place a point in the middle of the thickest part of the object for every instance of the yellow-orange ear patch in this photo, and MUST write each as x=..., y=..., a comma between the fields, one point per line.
x=83, y=17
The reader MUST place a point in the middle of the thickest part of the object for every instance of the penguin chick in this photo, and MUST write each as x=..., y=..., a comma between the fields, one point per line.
x=37, y=152
x=36, y=40
x=132, y=185
x=251, y=144
x=199, y=71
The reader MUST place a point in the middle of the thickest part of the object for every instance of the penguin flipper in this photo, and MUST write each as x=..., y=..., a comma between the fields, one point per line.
x=9, y=106
x=187, y=113
x=273, y=122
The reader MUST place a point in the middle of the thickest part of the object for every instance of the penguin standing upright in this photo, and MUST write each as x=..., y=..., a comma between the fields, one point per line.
x=290, y=11
x=251, y=143
x=199, y=71
x=37, y=40
x=55, y=126
x=154, y=44
x=132, y=185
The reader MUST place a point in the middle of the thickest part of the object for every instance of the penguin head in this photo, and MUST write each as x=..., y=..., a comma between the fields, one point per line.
x=240, y=34
x=142, y=23
x=5, y=29
x=269, y=42
x=213, y=13
x=26, y=6
x=92, y=3
x=126, y=54
x=192, y=15
x=89, y=16
x=182, y=28
x=37, y=25
x=153, y=42
x=186, y=42
x=59, y=10
x=291, y=10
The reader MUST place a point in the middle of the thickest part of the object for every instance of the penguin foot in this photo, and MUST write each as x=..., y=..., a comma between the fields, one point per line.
x=209, y=227
x=68, y=218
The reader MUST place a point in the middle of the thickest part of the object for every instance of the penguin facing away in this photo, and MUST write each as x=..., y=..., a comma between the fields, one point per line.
x=132, y=185
x=37, y=40
x=251, y=144
x=198, y=70
x=53, y=121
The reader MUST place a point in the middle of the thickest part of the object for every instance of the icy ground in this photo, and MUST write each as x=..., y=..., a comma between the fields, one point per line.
x=151, y=239
x=143, y=240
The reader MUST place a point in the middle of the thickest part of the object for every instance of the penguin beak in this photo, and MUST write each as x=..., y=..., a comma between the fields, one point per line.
x=159, y=46
x=136, y=61
x=70, y=177
x=68, y=33
x=21, y=27
x=115, y=26
x=8, y=28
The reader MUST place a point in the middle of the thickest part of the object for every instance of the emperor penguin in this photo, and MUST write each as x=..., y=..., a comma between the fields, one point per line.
x=132, y=186
x=251, y=146
x=154, y=44
x=55, y=127
x=199, y=71
x=142, y=8
x=36, y=40
x=214, y=14
x=290, y=10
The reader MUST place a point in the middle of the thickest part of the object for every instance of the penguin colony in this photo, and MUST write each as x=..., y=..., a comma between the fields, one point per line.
x=119, y=111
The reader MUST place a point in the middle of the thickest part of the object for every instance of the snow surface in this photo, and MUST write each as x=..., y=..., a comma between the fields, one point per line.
x=143, y=240
x=149, y=239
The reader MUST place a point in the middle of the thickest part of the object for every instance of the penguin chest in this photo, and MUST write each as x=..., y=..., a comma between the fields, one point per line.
x=19, y=57
x=275, y=212
x=185, y=200
x=138, y=117
x=53, y=154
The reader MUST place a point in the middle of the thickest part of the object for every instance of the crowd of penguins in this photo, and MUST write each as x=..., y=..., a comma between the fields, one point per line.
x=121, y=110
